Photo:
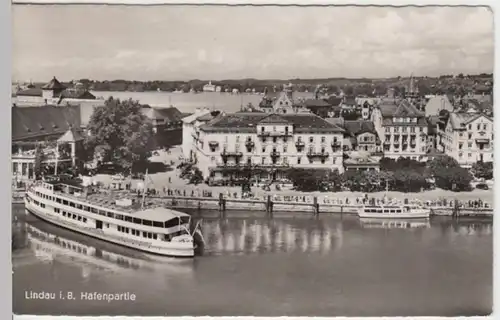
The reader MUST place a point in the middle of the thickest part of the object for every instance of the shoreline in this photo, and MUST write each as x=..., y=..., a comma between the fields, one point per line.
x=225, y=204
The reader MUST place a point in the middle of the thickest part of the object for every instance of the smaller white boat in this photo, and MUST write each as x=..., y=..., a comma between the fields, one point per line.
x=388, y=211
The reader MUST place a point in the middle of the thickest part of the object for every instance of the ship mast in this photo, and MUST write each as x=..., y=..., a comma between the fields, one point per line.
x=144, y=190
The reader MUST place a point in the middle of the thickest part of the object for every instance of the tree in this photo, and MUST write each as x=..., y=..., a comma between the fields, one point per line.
x=454, y=178
x=120, y=133
x=308, y=179
x=483, y=170
x=196, y=177
x=38, y=169
x=442, y=163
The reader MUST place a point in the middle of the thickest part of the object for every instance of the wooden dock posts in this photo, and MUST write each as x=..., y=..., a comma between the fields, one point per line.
x=222, y=206
x=315, y=207
x=269, y=206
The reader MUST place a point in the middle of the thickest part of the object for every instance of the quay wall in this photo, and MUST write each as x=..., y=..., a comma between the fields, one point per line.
x=181, y=202
x=211, y=203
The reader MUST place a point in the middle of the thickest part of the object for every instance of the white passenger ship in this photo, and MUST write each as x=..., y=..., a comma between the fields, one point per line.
x=394, y=211
x=112, y=216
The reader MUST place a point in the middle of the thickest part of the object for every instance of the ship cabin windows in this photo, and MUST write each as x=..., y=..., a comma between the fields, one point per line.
x=383, y=210
x=151, y=223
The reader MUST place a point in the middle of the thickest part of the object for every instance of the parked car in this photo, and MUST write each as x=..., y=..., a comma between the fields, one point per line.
x=482, y=186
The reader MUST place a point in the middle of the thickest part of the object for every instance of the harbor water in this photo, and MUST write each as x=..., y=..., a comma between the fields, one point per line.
x=292, y=265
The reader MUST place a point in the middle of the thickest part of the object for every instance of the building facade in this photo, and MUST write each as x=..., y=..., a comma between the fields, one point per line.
x=270, y=142
x=167, y=124
x=45, y=126
x=468, y=138
x=403, y=128
x=190, y=126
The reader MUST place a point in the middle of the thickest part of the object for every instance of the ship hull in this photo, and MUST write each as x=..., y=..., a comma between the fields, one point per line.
x=416, y=214
x=175, y=250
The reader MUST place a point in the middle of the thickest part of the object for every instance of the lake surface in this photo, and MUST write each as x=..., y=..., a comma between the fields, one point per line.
x=293, y=265
x=188, y=102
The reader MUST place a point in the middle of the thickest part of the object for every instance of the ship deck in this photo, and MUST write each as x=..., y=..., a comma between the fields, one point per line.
x=153, y=209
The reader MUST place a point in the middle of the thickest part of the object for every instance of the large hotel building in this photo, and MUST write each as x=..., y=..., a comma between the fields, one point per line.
x=272, y=142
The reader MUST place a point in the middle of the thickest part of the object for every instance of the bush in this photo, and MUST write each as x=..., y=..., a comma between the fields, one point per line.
x=196, y=177
x=483, y=170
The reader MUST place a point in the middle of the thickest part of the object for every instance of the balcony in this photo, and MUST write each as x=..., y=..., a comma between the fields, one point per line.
x=274, y=134
x=273, y=165
x=482, y=140
x=312, y=154
x=336, y=146
x=225, y=154
x=213, y=145
x=249, y=144
x=275, y=154
x=228, y=165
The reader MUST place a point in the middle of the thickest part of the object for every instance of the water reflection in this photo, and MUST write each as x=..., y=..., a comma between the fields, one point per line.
x=395, y=224
x=249, y=236
x=50, y=244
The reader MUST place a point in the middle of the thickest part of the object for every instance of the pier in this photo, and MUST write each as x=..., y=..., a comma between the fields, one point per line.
x=270, y=206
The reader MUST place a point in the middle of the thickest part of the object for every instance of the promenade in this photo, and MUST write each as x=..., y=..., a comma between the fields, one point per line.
x=166, y=188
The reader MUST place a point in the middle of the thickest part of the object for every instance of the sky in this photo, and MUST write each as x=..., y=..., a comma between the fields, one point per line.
x=218, y=42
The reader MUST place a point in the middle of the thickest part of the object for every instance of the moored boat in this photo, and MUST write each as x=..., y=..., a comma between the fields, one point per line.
x=112, y=216
x=388, y=211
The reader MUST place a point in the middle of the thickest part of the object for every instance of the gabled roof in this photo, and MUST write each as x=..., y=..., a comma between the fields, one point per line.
x=35, y=122
x=350, y=101
x=273, y=119
x=356, y=127
x=170, y=114
x=54, y=84
x=315, y=103
x=77, y=94
x=193, y=117
x=436, y=104
x=406, y=109
x=72, y=135
x=459, y=120
x=390, y=108
x=32, y=92
x=334, y=101
x=246, y=122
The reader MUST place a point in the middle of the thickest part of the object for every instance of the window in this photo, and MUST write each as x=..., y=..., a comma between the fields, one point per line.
x=263, y=149
x=298, y=160
x=460, y=145
x=237, y=138
x=460, y=154
x=485, y=126
x=212, y=159
x=323, y=139
x=263, y=160
x=285, y=148
x=274, y=129
x=470, y=136
x=470, y=155
x=275, y=139
x=412, y=129
x=469, y=145
x=478, y=126
x=470, y=126
x=387, y=129
x=311, y=139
